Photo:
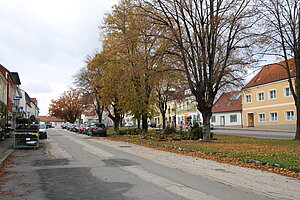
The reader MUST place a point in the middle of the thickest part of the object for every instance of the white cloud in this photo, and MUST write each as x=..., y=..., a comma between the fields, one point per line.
x=47, y=41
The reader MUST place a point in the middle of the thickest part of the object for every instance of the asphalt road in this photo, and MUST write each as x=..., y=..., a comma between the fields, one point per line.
x=257, y=134
x=73, y=167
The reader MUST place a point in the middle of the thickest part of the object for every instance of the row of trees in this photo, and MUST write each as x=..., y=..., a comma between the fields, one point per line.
x=154, y=49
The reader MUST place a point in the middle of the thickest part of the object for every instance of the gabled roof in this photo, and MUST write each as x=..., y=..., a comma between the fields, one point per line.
x=15, y=78
x=271, y=73
x=230, y=101
x=50, y=119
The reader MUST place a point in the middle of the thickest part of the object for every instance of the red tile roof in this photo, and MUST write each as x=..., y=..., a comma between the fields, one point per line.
x=271, y=73
x=50, y=119
x=226, y=104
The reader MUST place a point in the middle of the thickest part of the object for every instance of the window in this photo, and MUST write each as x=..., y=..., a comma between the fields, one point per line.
x=287, y=92
x=289, y=115
x=272, y=94
x=273, y=117
x=260, y=96
x=235, y=96
x=213, y=119
x=261, y=117
x=248, y=98
x=233, y=118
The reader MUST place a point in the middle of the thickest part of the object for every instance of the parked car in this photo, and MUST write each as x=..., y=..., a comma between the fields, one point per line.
x=48, y=124
x=152, y=124
x=75, y=128
x=128, y=125
x=97, y=129
x=81, y=127
x=43, y=131
x=69, y=127
x=63, y=126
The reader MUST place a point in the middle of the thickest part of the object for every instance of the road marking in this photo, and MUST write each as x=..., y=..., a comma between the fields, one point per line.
x=92, y=149
x=171, y=186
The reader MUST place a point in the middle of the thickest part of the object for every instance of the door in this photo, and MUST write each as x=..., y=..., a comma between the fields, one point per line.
x=222, y=120
x=250, y=119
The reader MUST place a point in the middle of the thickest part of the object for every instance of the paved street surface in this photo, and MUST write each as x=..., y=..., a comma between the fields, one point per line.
x=69, y=166
x=257, y=134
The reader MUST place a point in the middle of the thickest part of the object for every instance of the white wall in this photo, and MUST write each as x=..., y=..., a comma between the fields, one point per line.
x=227, y=118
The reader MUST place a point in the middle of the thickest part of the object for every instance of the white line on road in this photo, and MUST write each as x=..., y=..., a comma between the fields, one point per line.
x=92, y=149
x=173, y=187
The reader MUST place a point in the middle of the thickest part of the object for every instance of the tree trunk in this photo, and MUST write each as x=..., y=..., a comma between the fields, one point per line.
x=116, y=122
x=145, y=122
x=139, y=123
x=297, y=100
x=206, y=126
x=297, y=135
x=100, y=113
x=164, y=120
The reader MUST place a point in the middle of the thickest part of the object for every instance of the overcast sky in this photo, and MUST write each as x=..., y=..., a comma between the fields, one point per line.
x=46, y=42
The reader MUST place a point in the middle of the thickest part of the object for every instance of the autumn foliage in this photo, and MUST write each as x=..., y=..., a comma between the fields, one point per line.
x=69, y=106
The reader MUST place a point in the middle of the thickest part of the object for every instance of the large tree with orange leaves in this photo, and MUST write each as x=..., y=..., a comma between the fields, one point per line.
x=68, y=106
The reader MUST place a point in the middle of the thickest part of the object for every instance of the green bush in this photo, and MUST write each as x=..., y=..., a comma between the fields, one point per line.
x=121, y=131
x=169, y=130
x=130, y=131
x=196, y=131
x=134, y=131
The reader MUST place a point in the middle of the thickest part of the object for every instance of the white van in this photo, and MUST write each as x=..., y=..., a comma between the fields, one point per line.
x=43, y=130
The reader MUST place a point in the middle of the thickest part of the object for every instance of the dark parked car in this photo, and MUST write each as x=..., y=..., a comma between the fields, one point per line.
x=63, y=126
x=96, y=129
x=48, y=124
x=68, y=127
x=75, y=128
x=71, y=127
x=152, y=124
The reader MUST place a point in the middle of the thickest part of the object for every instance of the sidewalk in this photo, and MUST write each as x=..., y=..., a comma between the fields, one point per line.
x=6, y=148
x=255, y=129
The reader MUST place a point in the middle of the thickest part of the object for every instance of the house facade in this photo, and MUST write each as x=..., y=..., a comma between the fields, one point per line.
x=267, y=98
x=170, y=115
x=34, y=109
x=187, y=112
x=227, y=110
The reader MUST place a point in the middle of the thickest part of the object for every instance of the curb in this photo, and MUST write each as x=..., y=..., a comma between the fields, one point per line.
x=6, y=154
x=264, y=130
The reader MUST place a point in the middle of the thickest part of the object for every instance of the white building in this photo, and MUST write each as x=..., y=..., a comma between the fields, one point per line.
x=227, y=111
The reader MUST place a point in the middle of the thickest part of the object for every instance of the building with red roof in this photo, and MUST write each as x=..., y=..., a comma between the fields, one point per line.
x=267, y=98
x=227, y=110
x=56, y=121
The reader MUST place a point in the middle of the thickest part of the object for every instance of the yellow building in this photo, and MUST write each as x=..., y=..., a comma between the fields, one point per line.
x=170, y=115
x=267, y=99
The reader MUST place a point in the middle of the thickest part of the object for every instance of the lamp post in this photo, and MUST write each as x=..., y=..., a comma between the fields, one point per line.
x=16, y=109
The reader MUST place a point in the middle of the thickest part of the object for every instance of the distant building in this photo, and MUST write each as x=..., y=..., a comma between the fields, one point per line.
x=227, y=110
x=57, y=122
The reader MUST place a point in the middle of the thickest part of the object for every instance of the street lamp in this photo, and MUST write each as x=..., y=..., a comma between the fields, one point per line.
x=16, y=106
